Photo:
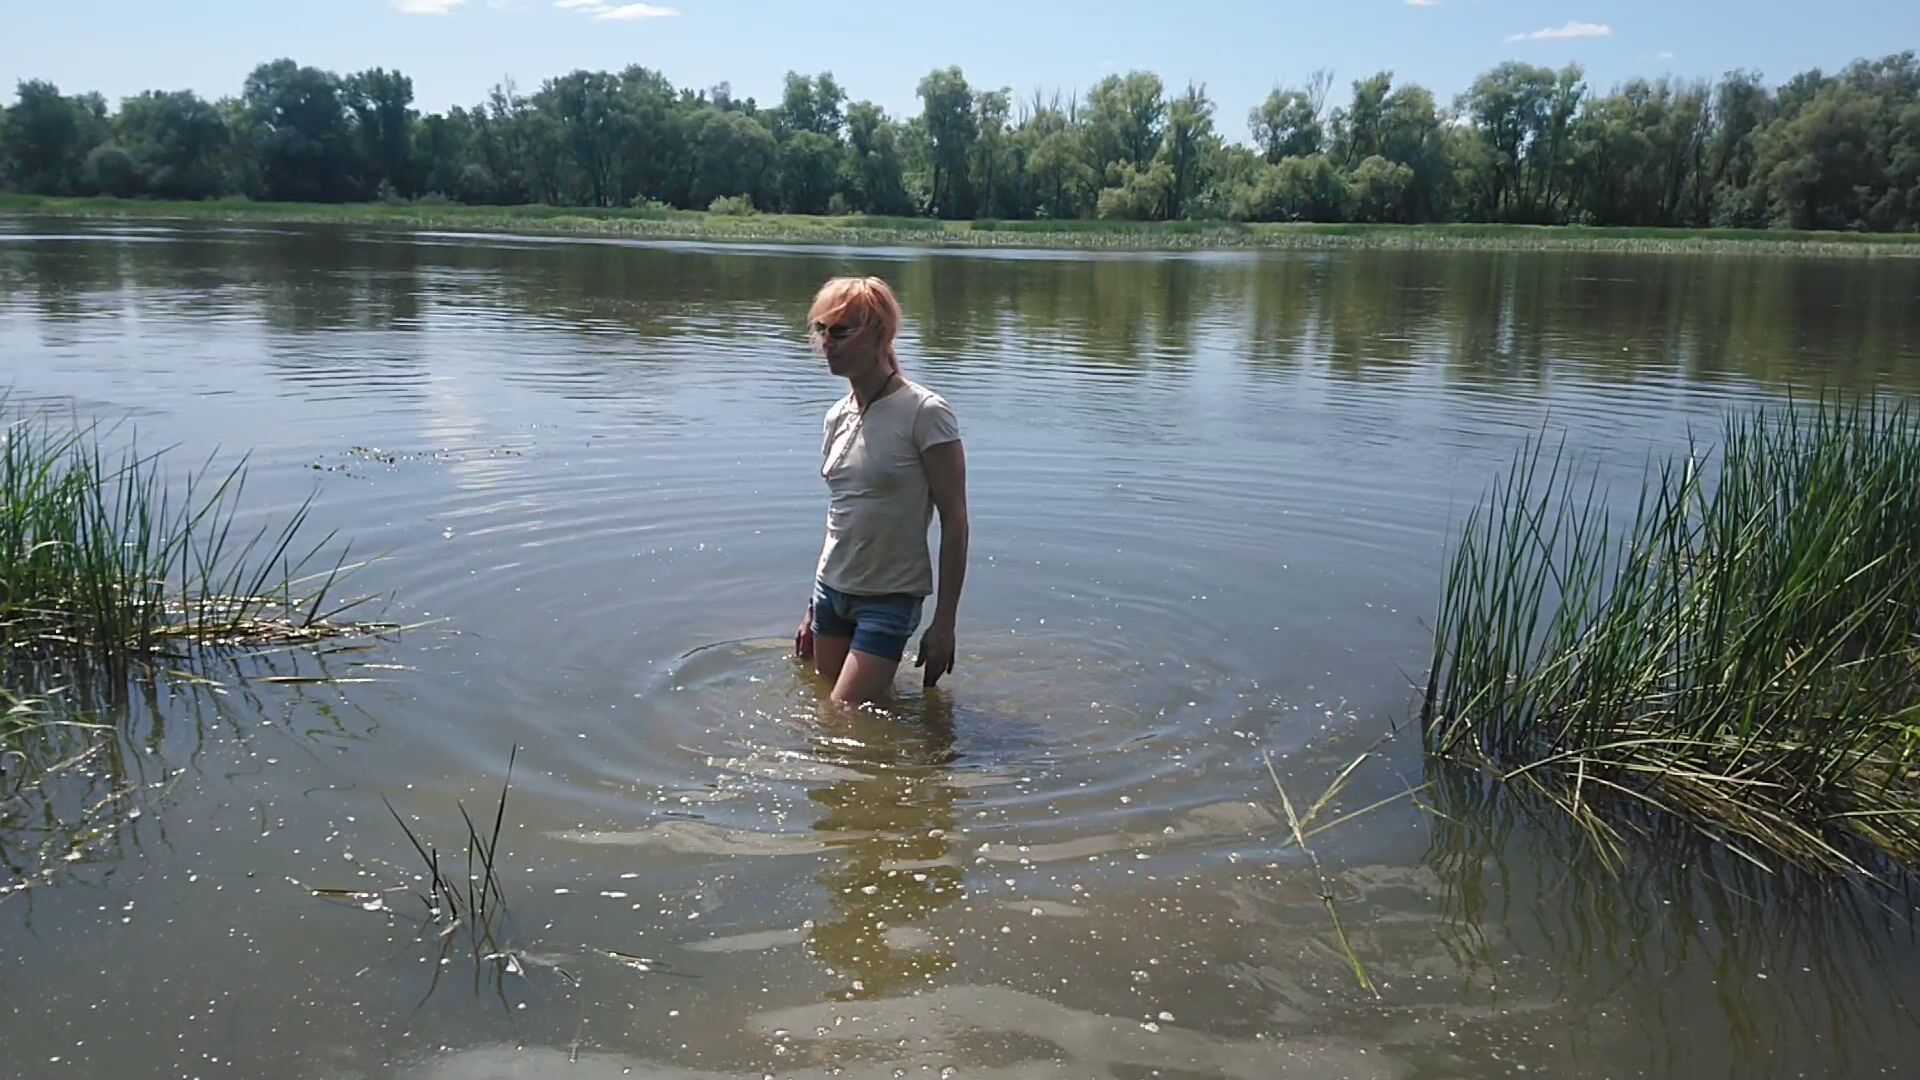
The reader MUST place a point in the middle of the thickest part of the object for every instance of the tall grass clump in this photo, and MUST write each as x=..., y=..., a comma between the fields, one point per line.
x=1743, y=655
x=100, y=554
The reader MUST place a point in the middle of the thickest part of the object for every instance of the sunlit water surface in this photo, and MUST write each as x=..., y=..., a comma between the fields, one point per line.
x=1211, y=499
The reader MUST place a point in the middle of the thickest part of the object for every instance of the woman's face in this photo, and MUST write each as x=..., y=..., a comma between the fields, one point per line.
x=848, y=346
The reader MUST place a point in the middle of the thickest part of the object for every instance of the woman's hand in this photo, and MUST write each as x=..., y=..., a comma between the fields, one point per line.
x=803, y=637
x=936, y=652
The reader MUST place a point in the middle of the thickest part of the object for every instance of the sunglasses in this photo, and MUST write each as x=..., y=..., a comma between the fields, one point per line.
x=838, y=331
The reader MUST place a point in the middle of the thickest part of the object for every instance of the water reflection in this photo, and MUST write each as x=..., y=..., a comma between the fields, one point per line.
x=1212, y=502
x=80, y=793
x=887, y=825
x=1680, y=927
x=82, y=772
x=1478, y=316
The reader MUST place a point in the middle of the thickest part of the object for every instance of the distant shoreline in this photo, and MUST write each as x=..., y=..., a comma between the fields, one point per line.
x=865, y=231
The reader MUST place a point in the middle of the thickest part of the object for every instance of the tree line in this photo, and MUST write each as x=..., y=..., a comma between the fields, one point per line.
x=1521, y=144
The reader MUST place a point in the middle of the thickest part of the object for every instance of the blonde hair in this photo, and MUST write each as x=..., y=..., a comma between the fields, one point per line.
x=867, y=297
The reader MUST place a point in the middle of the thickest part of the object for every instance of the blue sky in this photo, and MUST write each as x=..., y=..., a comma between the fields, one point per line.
x=456, y=49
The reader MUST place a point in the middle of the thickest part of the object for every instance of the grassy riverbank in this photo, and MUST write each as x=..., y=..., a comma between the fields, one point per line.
x=867, y=230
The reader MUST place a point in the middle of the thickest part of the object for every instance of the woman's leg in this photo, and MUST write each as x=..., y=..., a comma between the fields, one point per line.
x=863, y=678
x=830, y=655
x=882, y=626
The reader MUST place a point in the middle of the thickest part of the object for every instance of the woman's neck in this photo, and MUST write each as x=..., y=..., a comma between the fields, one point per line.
x=869, y=386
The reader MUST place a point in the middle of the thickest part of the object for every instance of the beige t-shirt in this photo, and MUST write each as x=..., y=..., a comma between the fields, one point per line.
x=879, y=504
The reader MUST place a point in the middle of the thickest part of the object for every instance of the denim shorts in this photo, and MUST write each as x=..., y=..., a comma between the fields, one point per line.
x=878, y=625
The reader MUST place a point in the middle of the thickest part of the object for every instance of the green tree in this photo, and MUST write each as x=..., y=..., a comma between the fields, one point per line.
x=876, y=180
x=1230, y=168
x=1138, y=194
x=809, y=172
x=110, y=170
x=1796, y=92
x=1899, y=207
x=1288, y=123
x=302, y=138
x=994, y=167
x=1411, y=135
x=1508, y=108
x=1820, y=166
x=382, y=105
x=916, y=163
x=518, y=146
x=48, y=136
x=1523, y=143
x=1548, y=147
x=1125, y=118
x=594, y=126
x=653, y=148
x=1187, y=148
x=1306, y=188
x=734, y=155
x=1059, y=176
x=240, y=164
x=1378, y=189
x=1359, y=131
x=1642, y=153
x=441, y=149
x=810, y=103
x=1742, y=107
x=1400, y=126
x=178, y=143
x=948, y=119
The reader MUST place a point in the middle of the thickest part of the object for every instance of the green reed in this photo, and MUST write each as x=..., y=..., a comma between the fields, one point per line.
x=1743, y=654
x=100, y=553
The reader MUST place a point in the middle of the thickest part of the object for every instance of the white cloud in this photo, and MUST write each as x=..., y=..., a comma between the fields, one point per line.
x=1663, y=56
x=427, y=7
x=1422, y=3
x=1565, y=33
x=601, y=9
x=630, y=12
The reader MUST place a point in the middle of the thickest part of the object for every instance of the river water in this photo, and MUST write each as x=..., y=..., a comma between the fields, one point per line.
x=1211, y=498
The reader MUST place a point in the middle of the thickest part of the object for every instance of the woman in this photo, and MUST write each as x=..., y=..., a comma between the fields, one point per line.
x=891, y=456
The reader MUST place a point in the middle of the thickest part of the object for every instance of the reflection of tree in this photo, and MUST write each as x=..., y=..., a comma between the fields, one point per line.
x=332, y=279
x=650, y=292
x=1712, y=959
x=296, y=279
x=892, y=818
x=64, y=280
x=1361, y=313
x=1124, y=315
x=1518, y=319
x=639, y=320
x=1509, y=319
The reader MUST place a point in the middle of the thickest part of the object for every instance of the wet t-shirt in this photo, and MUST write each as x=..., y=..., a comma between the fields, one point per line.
x=879, y=504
